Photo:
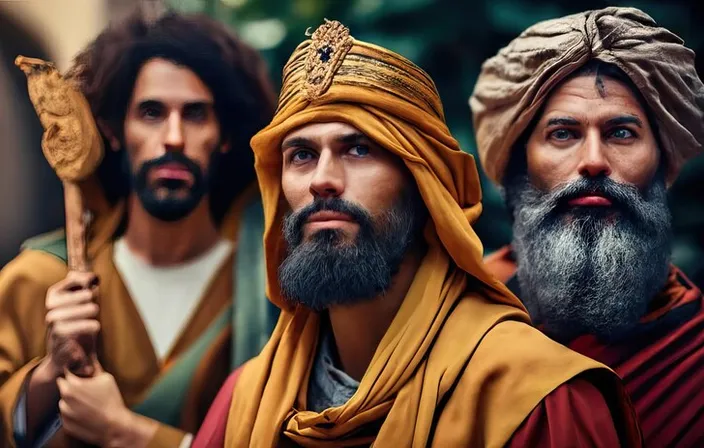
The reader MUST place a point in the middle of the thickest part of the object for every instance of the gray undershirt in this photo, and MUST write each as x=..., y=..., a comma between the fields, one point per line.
x=44, y=434
x=329, y=386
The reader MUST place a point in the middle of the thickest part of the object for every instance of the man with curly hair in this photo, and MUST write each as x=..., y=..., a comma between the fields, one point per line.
x=177, y=218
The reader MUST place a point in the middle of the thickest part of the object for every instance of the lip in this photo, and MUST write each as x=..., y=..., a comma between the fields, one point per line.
x=590, y=201
x=174, y=171
x=329, y=216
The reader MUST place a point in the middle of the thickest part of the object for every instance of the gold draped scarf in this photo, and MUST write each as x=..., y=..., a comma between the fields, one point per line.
x=514, y=84
x=460, y=365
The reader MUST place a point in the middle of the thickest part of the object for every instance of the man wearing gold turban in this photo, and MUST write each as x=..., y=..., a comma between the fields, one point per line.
x=585, y=120
x=392, y=333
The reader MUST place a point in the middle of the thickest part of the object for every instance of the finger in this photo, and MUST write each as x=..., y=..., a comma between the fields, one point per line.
x=97, y=367
x=79, y=378
x=81, y=280
x=75, y=328
x=64, y=388
x=66, y=410
x=81, y=311
x=75, y=280
x=83, y=370
x=68, y=298
x=71, y=379
x=74, y=427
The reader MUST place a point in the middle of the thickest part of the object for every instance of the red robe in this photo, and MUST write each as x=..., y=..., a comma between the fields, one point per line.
x=575, y=415
x=661, y=362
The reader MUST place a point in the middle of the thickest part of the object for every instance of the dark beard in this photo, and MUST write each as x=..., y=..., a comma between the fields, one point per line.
x=326, y=270
x=172, y=207
x=590, y=270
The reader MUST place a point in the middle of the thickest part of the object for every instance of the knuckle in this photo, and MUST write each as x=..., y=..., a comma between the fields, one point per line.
x=58, y=331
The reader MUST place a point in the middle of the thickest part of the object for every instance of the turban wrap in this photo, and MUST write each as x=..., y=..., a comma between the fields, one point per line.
x=513, y=85
x=455, y=317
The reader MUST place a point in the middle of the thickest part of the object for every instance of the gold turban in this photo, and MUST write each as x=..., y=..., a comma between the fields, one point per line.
x=455, y=318
x=514, y=84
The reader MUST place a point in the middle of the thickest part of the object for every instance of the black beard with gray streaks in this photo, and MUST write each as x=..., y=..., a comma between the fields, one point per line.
x=590, y=270
x=326, y=270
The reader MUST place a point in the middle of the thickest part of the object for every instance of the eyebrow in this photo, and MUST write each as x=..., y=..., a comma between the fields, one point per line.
x=296, y=142
x=562, y=121
x=353, y=138
x=149, y=103
x=624, y=119
x=152, y=102
x=348, y=139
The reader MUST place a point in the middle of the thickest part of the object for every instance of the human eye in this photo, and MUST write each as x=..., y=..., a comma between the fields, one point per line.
x=359, y=150
x=150, y=111
x=622, y=134
x=561, y=135
x=299, y=156
x=196, y=112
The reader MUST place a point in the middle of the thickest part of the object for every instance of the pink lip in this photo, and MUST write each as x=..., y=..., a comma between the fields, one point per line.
x=326, y=216
x=590, y=201
x=172, y=171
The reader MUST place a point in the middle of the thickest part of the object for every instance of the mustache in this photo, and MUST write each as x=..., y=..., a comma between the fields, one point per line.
x=626, y=197
x=294, y=221
x=171, y=157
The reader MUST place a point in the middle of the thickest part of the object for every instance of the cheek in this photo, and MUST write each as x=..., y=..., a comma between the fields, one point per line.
x=295, y=188
x=200, y=142
x=546, y=167
x=377, y=188
x=138, y=143
x=638, y=165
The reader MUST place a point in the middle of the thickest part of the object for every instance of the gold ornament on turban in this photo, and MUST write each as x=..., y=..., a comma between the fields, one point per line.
x=329, y=46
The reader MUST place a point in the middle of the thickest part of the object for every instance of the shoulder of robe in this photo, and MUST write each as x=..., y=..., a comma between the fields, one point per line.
x=34, y=269
x=520, y=348
x=53, y=243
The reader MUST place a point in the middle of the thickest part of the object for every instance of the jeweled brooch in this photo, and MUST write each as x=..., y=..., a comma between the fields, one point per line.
x=330, y=44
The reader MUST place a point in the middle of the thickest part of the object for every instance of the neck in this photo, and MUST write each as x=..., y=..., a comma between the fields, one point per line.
x=359, y=328
x=162, y=243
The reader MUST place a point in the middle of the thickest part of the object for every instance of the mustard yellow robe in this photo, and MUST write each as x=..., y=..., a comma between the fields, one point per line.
x=124, y=347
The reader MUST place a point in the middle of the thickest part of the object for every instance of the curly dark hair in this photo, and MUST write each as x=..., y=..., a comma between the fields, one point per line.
x=234, y=72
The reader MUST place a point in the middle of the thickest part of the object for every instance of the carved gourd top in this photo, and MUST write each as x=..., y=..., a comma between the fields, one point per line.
x=71, y=142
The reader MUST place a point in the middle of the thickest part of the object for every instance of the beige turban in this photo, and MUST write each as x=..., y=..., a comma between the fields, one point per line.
x=514, y=84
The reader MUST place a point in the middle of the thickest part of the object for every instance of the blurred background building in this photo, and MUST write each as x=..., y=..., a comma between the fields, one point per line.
x=448, y=38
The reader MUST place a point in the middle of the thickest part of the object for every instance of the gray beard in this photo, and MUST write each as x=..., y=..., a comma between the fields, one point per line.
x=587, y=271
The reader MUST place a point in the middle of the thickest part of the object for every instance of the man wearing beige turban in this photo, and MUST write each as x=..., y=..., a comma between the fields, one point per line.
x=585, y=120
x=391, y=332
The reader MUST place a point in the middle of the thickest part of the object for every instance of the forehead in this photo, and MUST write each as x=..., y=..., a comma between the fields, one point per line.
x=322, y=131
x=162, y=80
x=582, y=97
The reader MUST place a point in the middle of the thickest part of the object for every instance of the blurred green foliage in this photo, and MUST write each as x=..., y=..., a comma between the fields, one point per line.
x=450, y=39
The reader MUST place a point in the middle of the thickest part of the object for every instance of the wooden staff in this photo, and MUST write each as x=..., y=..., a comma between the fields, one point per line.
x=71, y=144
